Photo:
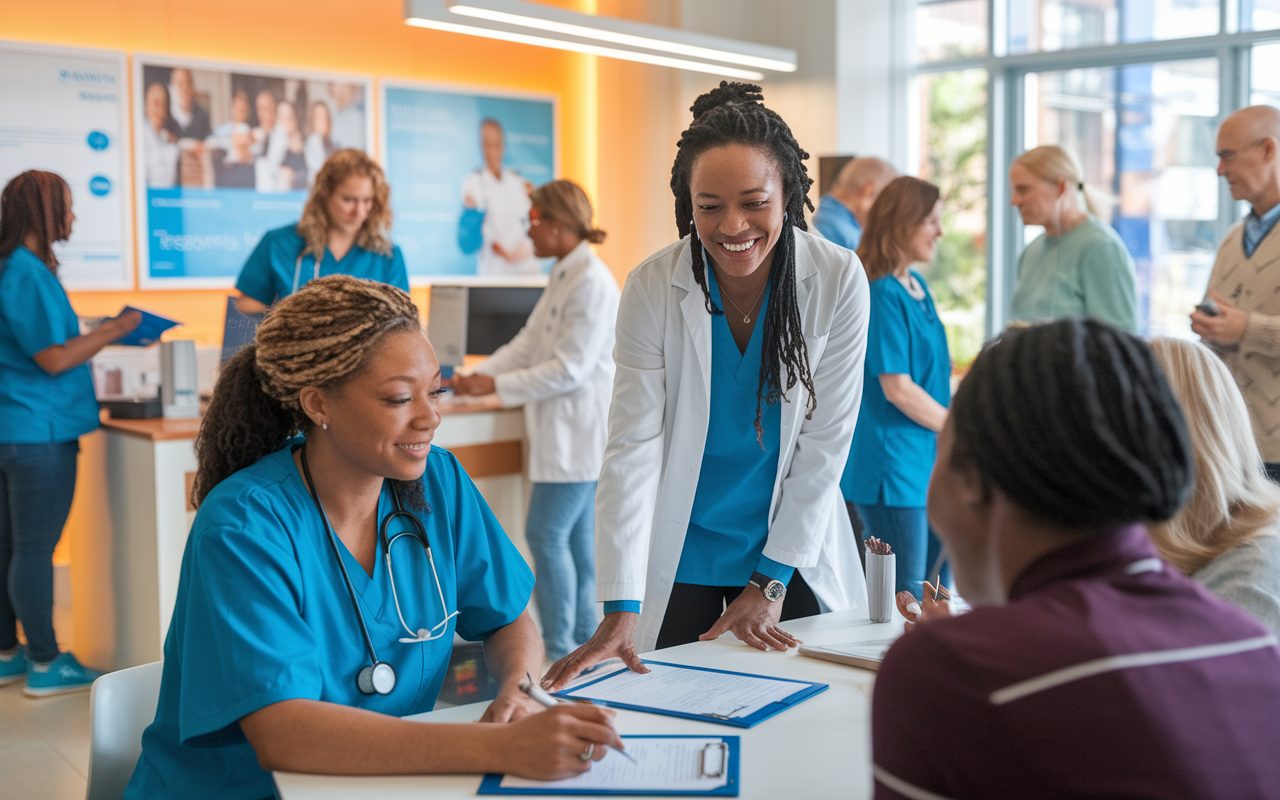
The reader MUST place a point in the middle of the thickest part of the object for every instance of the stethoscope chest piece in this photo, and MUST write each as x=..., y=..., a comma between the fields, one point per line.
x=376, y=678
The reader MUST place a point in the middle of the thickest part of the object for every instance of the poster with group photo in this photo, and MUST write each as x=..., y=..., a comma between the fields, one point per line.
x=461, y=164
x=64, y=110
x=224, y=153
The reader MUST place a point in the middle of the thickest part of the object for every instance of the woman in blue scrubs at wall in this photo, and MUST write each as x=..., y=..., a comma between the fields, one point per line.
x=739, y=362
x=907, y=383
x=46, y=403
x=296, y=644
x=560, y=368
x=345, y=229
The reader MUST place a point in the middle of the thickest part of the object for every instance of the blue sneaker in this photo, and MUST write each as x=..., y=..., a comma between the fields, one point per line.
x=13, y=667
x=63, y=674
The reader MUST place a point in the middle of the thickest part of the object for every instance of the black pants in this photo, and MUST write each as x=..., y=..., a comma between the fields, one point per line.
x=693, y=609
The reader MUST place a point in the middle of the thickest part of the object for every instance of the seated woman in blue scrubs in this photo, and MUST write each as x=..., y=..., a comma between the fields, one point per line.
x=305, y=626
x=46, y=404
x=345, y=230
x=907, y=383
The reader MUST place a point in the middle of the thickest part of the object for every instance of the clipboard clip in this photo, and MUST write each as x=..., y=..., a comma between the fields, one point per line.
x=709, y=754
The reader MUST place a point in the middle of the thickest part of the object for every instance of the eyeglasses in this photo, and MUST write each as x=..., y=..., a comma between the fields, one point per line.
x=1227, y=156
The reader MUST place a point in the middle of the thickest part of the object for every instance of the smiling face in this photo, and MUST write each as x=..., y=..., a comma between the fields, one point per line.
x=156, y=106
x=266, y=107
x=738, y=206
x=1035, y=198
x=491, y=145
x=321, y=125
x=350, y=203
x=383, y=418
x=923, y=244
x=1246, y=159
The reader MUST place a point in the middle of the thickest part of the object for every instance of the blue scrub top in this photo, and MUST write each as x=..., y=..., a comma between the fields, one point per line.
x=892, y=456
x=268, y=274
x=262, y=615
x=36, y=407
x=730, y=520
x=837, y=223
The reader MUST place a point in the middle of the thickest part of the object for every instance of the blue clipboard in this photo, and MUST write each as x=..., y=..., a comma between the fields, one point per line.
x=148, y=331
x=804, y=690
x=492, y=783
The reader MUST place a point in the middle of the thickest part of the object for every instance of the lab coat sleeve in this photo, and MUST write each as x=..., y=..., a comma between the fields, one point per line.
x=822, y=446
x=587, y=317
x=627, y=493
x=244, y=643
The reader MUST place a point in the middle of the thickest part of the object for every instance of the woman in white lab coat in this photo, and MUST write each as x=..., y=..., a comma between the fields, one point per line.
x=709, y=521
x=560, y=368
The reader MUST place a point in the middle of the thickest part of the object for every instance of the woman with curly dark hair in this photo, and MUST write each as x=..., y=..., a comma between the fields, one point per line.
x=296, y=643
x=345, y=230
x=739, y=373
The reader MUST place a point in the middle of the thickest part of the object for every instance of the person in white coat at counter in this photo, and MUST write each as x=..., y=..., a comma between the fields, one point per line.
x=560, y=368
x=739, y=375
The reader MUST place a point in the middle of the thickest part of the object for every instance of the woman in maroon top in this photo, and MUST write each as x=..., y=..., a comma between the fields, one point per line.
x=1088, y=666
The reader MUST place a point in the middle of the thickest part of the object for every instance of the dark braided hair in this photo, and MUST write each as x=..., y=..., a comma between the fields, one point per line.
x=734, y=114
x=321, y=336
x=1075, y=422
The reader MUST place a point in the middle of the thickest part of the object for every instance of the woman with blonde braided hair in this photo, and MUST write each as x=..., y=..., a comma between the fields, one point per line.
x=345, y=230
x=295, y=644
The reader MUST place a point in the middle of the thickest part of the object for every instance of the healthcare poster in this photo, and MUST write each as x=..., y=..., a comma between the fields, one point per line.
x=63, y=110
x=223, y=154
x=461, y=165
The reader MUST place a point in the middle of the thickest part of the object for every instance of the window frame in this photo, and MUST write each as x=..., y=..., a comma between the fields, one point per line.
x=1006, y=115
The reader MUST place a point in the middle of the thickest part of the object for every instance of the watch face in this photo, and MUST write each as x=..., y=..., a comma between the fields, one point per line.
x=774, y=591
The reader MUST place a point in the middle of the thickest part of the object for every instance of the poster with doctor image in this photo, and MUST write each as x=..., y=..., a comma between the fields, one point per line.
x=64, y=110
x=461, y=164
x=223, y=154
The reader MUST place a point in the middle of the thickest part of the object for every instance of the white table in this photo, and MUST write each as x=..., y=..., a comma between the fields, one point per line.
x=817, y=749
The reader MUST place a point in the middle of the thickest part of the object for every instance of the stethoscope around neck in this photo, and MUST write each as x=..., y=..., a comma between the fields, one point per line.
x=380, y=677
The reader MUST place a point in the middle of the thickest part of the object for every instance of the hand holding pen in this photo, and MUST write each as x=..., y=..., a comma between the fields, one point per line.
x=935, y=604
x=541, y=697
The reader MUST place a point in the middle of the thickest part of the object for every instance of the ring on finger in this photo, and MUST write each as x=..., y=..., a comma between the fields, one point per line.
x=585, y=755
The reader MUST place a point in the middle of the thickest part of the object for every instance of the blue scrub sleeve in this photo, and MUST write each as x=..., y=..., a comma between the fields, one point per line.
x=245, y=644
x=888, y=336
x=255, y=276
x=610, y=606
x=38, y=311
x=399, y=277
x=494, y=582
x=775, y=569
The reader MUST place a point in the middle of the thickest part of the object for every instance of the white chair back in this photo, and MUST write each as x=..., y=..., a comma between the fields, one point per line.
x=121, y=705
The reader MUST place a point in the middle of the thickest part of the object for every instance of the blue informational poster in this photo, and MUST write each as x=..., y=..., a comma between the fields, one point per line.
x=64, y=110
x=223, y=154
x=461, y=165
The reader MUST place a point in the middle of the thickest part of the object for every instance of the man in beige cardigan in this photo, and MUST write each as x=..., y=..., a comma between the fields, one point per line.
x=1245, y=283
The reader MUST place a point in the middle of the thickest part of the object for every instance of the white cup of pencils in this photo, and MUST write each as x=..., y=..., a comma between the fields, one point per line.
x=881, y=579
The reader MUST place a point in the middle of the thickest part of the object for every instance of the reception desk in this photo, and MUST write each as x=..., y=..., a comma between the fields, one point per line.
x=137, y=484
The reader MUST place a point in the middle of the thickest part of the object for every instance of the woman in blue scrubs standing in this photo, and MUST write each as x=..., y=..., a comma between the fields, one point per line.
x=907, y=385
x=46, y=403
x=345, y=229
x=296, y=643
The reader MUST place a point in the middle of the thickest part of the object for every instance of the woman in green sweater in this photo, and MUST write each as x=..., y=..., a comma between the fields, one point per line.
x=1079, y=266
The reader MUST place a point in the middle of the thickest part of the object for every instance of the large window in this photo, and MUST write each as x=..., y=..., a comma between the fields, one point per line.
x=1135, y=88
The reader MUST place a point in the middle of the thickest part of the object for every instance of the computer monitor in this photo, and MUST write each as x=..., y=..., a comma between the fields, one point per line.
x=477, y=320
x=238, y=331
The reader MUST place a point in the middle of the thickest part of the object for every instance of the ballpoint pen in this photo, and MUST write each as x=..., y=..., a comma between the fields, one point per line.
x=540, y=696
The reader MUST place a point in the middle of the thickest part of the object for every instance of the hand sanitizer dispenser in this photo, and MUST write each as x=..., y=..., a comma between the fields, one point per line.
x=179, y=379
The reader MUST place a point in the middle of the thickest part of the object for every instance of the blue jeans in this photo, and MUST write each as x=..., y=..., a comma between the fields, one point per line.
x=37, y=482
x=907, y=531
x=561, y=533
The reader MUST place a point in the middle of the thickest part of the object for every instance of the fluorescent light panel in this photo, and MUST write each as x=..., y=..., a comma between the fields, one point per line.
x=630, y=40
x=582, y=47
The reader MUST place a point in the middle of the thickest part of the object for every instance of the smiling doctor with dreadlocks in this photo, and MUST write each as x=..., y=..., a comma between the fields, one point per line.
x=739, y=374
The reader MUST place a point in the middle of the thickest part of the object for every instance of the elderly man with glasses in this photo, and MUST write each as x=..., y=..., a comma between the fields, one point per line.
x=1241, y=316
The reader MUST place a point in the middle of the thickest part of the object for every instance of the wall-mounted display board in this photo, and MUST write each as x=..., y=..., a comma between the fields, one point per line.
x=461, y=164
x=63, y=110
x=224, y=153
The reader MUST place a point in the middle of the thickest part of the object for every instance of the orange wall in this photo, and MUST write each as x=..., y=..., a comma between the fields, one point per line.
x=364, y=37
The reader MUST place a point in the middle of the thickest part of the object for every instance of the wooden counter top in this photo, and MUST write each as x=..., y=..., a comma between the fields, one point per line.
x=160, y=429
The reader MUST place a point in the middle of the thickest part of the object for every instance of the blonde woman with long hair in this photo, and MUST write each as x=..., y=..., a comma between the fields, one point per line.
x=1079, y=266
x=1227, y=536
x=345, y=229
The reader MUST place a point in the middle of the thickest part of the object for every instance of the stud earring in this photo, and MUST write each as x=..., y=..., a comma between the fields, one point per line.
x=324, y=426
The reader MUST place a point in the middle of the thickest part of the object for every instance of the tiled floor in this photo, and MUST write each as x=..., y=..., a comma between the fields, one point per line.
x=44, y=744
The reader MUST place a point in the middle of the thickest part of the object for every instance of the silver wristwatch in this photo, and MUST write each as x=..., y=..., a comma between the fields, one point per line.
x=773, y=590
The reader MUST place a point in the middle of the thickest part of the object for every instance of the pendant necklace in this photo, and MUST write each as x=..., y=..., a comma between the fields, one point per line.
x=746, y=318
